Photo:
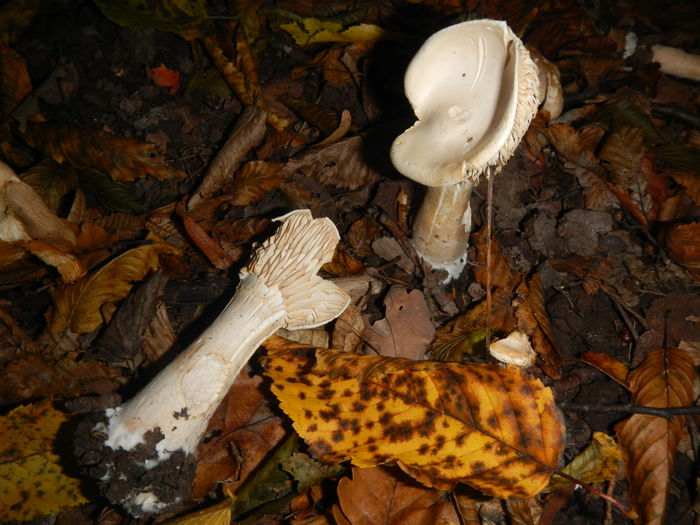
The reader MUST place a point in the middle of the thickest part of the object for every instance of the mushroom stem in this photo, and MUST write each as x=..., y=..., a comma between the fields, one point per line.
x=147, y=455
x=441, y=227
x=676, y=62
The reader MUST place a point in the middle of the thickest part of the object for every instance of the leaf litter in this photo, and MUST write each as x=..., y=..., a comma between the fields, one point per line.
x=159, y=160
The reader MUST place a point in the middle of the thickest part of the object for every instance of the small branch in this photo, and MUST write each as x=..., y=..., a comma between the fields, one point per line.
x=665, y=412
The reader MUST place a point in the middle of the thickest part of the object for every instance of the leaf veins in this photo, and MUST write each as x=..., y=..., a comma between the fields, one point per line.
x=494, y=428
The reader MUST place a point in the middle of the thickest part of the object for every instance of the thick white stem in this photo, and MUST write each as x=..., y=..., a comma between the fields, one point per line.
x=180, y=400
x=442, y=225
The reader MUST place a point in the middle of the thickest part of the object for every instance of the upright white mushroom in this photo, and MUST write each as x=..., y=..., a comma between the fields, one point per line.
x=150, y=439
x=475, y=89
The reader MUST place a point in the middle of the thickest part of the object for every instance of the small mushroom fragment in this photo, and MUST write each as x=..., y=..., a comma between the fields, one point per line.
x=146, y=461
x=475, y=89
x=513, y=350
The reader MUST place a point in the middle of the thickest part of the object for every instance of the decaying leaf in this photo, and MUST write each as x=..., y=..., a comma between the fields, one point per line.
x=184, y=17
x=407, y=329
x=77, y=306
x=32, y=480
x=313, y=31
x=164, y=77
x=599, y=461
x=609, y=365
x=494, y=428
x=649, y=443
x=254, y=180
x=683, y=243
x=246, y=431
x=15, y=83
x=124, y=159
x=379, y=495
x=307, y=471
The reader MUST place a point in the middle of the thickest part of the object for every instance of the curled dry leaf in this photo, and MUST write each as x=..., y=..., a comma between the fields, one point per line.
x=124, y=159
x=683, y=243
x=494, y=428
x=380, y=495
x=609, y=365
x=649, y=443
x=77, y=306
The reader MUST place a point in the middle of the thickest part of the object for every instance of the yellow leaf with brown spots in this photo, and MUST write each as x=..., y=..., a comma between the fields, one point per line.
x=32, y=479
x=495, y=428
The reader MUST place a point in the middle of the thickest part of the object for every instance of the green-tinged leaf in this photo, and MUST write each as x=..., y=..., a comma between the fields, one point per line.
x=77, y=306
x=113, y=195
x=309, y=472
x=184, y=17
x=599, y=461
x=313, y=31
x=32, y=479
x=679, y=156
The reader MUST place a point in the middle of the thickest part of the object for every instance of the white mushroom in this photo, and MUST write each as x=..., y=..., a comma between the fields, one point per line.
x=475, y=89
x=676, y=62
x=279, y=288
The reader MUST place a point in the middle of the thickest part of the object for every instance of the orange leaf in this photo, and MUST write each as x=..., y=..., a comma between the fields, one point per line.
x=609, y=365
x=254, y=180
x=649, y=443
x=376, y=495
x=683, y=243
x=495, y=428
x=164, y=77
x=209, y=247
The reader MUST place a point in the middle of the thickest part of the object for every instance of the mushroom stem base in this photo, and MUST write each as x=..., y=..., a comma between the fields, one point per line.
x=442, y=226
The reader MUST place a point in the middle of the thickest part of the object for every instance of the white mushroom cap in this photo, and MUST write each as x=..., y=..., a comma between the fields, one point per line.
x=474, y=89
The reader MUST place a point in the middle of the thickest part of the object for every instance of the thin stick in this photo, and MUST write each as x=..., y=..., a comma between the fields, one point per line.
x=665, y=412
x=489, y=225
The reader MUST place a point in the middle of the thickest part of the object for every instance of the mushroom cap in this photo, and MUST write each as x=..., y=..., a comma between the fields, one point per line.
x=474, y=89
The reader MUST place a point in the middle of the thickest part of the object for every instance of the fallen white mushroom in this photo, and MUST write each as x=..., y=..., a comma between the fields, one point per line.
x=279, y=288
x=475, y=89
x=676, y=62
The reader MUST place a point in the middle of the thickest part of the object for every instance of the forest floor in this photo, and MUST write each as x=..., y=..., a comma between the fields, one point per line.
x=593, y=248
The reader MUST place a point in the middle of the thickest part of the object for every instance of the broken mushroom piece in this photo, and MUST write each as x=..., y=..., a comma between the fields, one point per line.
x=475, y=89
x=149, y=441
x=676, y=62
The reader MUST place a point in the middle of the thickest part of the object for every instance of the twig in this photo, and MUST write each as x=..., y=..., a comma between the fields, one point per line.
x=665, y=412
x=489, y=217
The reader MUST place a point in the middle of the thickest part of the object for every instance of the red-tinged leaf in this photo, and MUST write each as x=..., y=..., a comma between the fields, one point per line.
x=208, y=246
x=649, y=443
x=164, y=77
x=683, y=244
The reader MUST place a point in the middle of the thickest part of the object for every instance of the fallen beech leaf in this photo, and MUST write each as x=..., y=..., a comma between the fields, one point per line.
x=343, y=264
x=683, y=243
x=247, y=133
x=407, y=329
x=243, y=422
x=494, y=428
x=649, y=443
x=323, y=118
x=164, y=77
x=689, y=181
x=77, y=306
x=313, y=31
x=123, y=158
x=219, y=514
x=599, y=461
x=609, y=365
x=254, y=180
x=32, y=480
x=15, y=83
x=376, y=495
x=184, y=17
x=342, y=164
x=592, y=270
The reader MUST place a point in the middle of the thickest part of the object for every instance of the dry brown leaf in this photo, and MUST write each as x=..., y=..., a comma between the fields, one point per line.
x=321, y=117
x=532, y=319
x=407, y=329
x=247, y=133
x=254, y=180
x=343, y=264
x=341, y=164
x=592, y=270
x=689, y=180
x=159, y=335
x=361, y=234
x=77, y=306
x=15, y=83
x=380, y=495
x=208, y=246
x=649, y=443
x=683, y=244
x=494, y=428
x=246, y=431
x=124, y=159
